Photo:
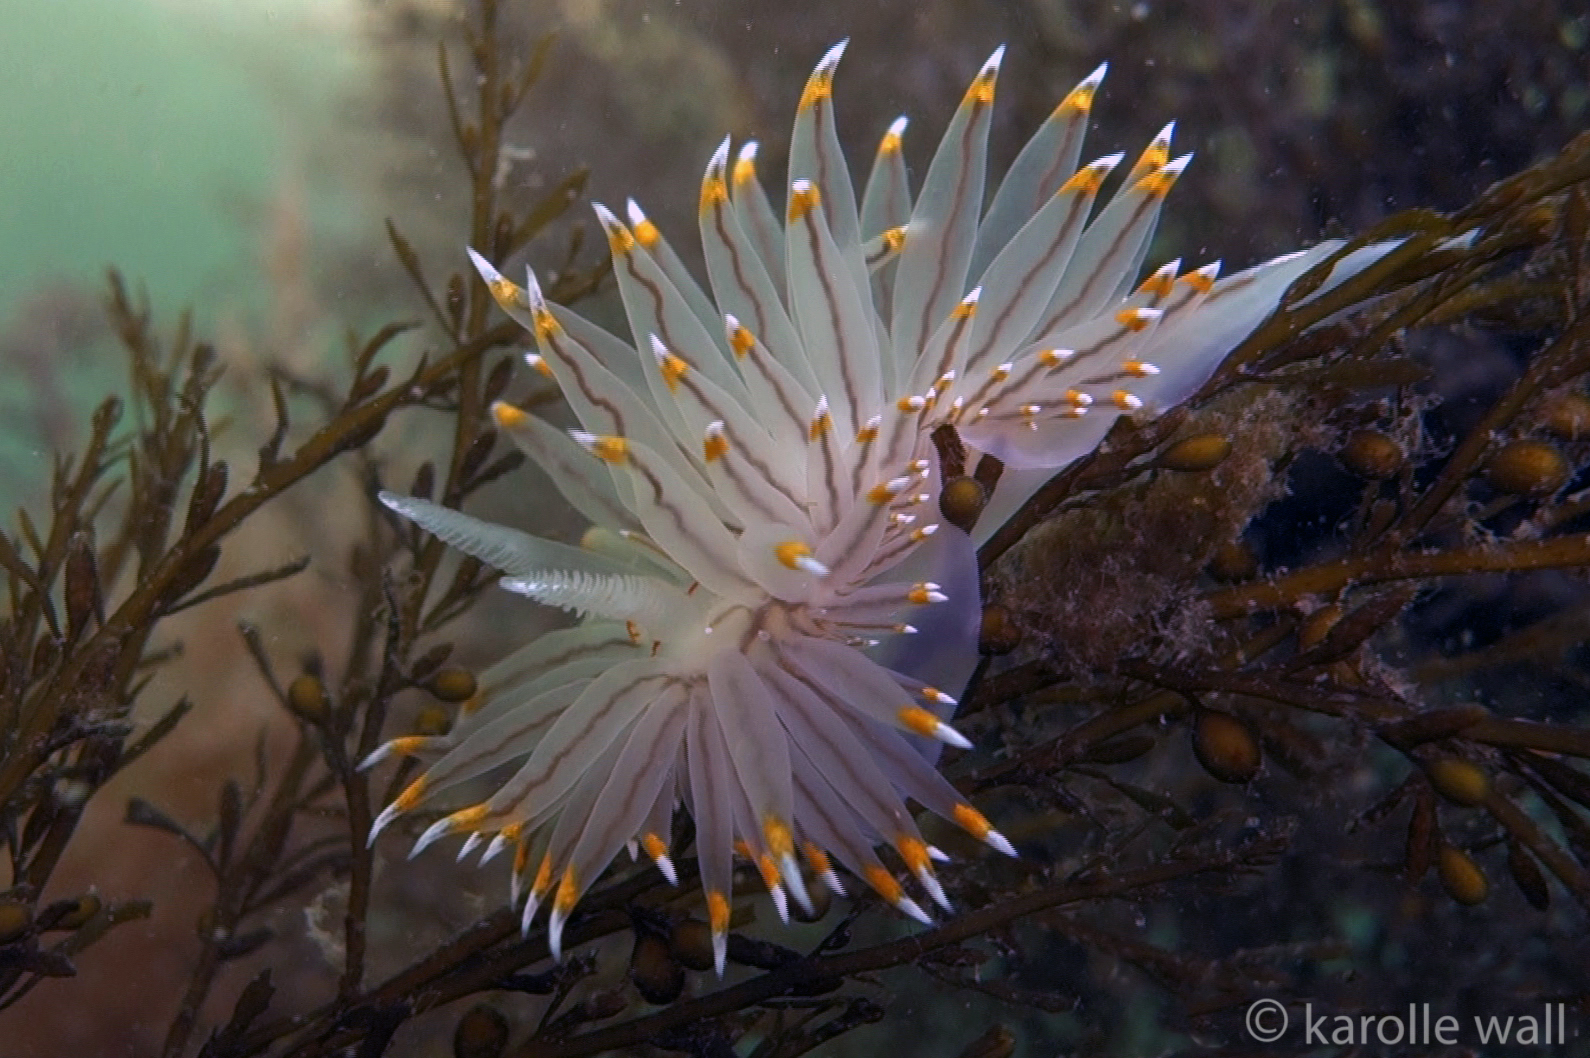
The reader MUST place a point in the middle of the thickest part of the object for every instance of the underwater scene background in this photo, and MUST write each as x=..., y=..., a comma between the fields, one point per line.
x=1280, y=694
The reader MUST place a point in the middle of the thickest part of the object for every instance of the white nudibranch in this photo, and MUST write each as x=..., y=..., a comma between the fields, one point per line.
x=757, y=469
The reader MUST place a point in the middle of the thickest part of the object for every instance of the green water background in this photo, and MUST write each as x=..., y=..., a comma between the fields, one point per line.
x=152, y=135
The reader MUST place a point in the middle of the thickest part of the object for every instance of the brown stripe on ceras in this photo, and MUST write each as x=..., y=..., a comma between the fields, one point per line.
x=876, y=626
x=1079, y=356
x=1078, y=206
x=1177, y=302
x=1233, y=285
x=663, y=330
x=825, y=443
x=860, y=458
x=753, y=627
x=844, y=753
x=890, y=550
x=1145, y=202
x=961, y=321
x=784, y=404
x=824, y=279
x=885, y=251
x=534, y=782
x=1053, y=178
x=1101, y=345
x=757, y=465
x=975, y=401
x=626, y=803
x=903, y=433
x=700, y=720
x=857, y=847
x=619, y=427
x=898, y=540
x=739, y=267
x=517, y=733
x=844, y=599
x=880, y=510
x=898, y=750
x=1038, y=366
x=540, y=668
x=726, y=464
x=657, y=500
x=981, y=109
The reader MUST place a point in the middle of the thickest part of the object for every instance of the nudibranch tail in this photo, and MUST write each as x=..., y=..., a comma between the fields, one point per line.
x=768, y=603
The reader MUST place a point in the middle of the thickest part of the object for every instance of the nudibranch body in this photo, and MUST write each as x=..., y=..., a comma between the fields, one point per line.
x=762, y=489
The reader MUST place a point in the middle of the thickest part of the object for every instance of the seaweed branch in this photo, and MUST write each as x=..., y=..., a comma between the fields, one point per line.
x=1182, y=683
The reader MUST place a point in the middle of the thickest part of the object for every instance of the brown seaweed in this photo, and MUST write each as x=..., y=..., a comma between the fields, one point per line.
x=1180, y=722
